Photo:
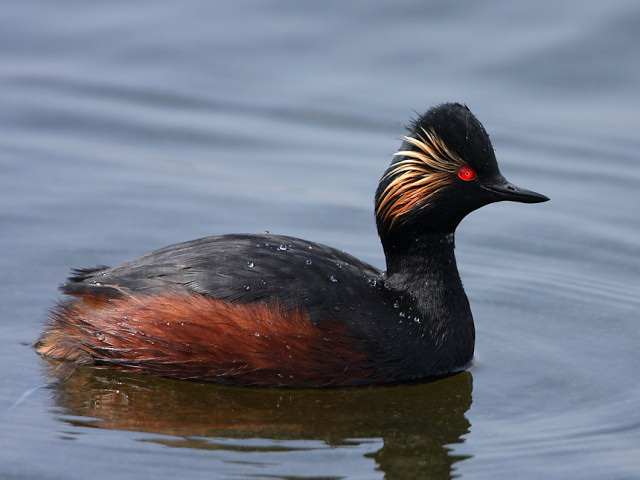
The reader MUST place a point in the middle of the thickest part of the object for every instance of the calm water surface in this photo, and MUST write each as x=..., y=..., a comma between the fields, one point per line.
x=126, y=127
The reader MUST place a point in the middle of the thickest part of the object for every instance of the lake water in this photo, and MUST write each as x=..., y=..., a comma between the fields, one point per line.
x=127, y=126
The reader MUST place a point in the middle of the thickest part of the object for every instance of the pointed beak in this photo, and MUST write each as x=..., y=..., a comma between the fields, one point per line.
x=501, y=190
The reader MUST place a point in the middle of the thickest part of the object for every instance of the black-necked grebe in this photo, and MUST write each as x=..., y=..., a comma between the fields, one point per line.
x=279, y=311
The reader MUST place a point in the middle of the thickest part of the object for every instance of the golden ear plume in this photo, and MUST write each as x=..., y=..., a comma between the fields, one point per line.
x=420, y=175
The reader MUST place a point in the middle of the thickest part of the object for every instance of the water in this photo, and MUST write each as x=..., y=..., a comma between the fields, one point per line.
x=126, y=127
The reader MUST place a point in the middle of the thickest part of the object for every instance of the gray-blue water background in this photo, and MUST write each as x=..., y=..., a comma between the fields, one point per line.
x=127, y=126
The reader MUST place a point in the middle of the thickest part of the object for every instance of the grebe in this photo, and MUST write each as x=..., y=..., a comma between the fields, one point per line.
x=279, y=311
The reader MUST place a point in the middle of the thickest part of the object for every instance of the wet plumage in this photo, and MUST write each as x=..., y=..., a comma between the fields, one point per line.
x=275, y=310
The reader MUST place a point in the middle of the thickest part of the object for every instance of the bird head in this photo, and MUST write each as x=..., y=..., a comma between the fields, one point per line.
x=445, y=169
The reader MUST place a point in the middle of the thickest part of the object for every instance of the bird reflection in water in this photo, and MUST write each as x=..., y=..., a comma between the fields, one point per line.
x=416, y=423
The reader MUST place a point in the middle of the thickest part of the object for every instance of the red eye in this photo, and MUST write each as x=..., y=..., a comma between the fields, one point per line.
x=467, y=174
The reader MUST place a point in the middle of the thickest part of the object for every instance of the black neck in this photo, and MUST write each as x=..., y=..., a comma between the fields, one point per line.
x=425, y=268
x=422, y=263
